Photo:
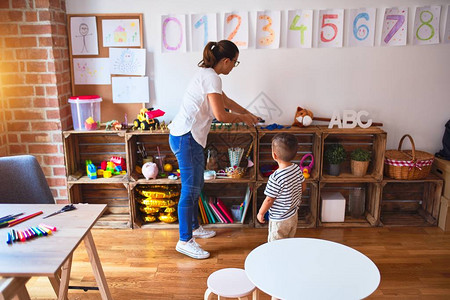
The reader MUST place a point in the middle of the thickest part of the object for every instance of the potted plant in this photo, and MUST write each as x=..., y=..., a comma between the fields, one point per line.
x=359, y=161
x=335, y=154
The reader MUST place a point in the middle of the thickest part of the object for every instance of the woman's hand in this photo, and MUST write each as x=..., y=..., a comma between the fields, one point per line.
x=249, y=119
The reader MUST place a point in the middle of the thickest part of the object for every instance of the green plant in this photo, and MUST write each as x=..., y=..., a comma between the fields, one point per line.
x=335, y=154
x=360, y=154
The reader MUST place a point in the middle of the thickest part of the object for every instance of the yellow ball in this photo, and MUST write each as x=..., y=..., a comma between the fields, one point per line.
x=168, y=167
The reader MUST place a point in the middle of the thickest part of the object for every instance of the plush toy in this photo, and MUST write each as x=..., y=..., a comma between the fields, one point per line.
x=307, y=169
x=303, y=117
x=150, y=170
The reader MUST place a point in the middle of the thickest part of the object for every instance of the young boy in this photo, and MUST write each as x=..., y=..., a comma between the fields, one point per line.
x=284, y=189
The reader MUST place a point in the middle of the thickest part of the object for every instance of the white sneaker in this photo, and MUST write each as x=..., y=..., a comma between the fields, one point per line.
x=202, y=233
x=192, y=249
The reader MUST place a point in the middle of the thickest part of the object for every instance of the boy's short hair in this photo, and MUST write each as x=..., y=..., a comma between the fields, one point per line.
x=285, y=145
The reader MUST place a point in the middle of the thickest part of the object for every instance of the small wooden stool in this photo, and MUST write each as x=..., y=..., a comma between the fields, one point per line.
x=230, y=283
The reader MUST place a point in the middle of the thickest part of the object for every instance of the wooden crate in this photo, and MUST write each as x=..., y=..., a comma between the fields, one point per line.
x=97, y=146
x=151, y=141
x=137, y=215
x=222, y=138
x=307, y=214
x=231, y=194
x=308, y=142
x=114, y=195
x=372, y=196
x=410, y=202
x=372, y=139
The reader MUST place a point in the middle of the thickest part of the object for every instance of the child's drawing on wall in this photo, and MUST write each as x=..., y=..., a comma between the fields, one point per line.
x=127, y=61
x=84, y=36
x=91, y=71
x=121, y=33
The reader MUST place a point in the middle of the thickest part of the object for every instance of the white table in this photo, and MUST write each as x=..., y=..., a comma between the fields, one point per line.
x=305, y=268
x=51, y=256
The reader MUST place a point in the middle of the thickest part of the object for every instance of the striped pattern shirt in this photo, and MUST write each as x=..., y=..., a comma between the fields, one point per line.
x=285, y=186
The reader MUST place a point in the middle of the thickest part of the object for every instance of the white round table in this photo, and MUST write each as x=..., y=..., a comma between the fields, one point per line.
x=305, y=268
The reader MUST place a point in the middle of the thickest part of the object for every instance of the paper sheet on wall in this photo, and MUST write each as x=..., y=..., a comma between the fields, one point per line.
x=361, y=30
x=426, y=25
x=331, y=26
x=127, y=61
x=173, y=35
x=91, y=71
x=395, y=26
x=447, y=27
x=268, y=29
x=130, y=90
x=203, y=30
x=83, y=35
x=300, y=28
x=235, y=28
x=121, y=33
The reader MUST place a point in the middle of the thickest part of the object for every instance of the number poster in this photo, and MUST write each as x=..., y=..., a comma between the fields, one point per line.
x=361, y=32
x=300, y=25
x=173, y=33
x=268, y=29
x=395, y=26
x=203, y=30
x=426, y=25
x=235, y=28
x=331, y=24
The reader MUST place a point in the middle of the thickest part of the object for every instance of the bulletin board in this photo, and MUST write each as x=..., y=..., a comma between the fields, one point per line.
x=109, y=110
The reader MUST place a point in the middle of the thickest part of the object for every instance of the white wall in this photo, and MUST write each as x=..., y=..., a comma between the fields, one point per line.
x=406, y=88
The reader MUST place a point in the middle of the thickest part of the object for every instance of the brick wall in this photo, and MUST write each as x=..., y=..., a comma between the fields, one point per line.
x=35, y=84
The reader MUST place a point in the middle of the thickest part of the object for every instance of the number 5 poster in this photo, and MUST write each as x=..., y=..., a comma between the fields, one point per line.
x=331, y=26
x=235, y=28
x=426, y=25
x=395, y=26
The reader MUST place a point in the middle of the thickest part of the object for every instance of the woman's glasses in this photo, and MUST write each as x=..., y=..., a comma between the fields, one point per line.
x=236, y=62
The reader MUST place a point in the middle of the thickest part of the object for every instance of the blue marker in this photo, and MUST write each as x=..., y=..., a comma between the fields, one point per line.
x=9, y=241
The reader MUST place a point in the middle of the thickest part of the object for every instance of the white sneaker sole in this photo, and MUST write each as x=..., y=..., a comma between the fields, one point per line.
x=193, y=255
x=207, y=236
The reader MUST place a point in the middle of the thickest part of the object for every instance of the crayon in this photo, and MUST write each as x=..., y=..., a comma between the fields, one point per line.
x=36, y=232
x=21, y=236
x=16, y=238
x=42, y=231
x=30, y=232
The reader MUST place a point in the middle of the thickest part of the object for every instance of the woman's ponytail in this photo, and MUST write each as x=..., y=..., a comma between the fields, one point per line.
x=215, y=51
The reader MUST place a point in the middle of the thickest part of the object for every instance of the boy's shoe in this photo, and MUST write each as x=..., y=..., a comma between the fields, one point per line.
x=192, y=249
x=202, y=233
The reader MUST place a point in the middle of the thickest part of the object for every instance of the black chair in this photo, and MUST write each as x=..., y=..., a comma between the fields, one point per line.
x=22, y=181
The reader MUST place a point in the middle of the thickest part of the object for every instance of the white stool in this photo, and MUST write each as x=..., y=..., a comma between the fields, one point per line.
x=230, y=283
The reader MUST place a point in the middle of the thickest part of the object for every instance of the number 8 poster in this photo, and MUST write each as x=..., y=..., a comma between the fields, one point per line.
x=426, y=25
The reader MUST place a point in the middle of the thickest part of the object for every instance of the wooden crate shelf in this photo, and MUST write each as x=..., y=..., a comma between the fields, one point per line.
x=220, y=139
x=410, y=202
x=308, y=142
x=372, y=139
x=97, y=146
x=137, y=215
x=114, y=195
x=307, y=214
x=372, y=195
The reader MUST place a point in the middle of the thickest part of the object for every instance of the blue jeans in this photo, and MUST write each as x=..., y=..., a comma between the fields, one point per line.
x=191, y=161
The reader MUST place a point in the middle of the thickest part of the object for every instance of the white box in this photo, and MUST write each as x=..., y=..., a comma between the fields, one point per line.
x=333, y=207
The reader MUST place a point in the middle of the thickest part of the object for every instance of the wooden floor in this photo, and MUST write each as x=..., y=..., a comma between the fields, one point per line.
x=142, y=264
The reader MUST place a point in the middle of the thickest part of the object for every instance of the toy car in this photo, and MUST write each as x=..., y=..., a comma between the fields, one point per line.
x=146, y=119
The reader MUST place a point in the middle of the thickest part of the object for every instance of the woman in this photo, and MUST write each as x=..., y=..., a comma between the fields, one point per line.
x=202, y=101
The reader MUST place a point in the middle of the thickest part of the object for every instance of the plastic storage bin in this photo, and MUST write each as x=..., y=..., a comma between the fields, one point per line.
x=85, y=112
x=333, y=207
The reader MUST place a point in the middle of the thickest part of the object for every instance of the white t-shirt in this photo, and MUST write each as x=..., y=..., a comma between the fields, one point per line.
x=195, y=113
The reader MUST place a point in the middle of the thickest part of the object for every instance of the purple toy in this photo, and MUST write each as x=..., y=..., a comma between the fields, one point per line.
x=306, y=169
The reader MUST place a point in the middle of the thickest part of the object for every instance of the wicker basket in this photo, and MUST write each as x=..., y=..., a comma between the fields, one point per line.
x=407, y=164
